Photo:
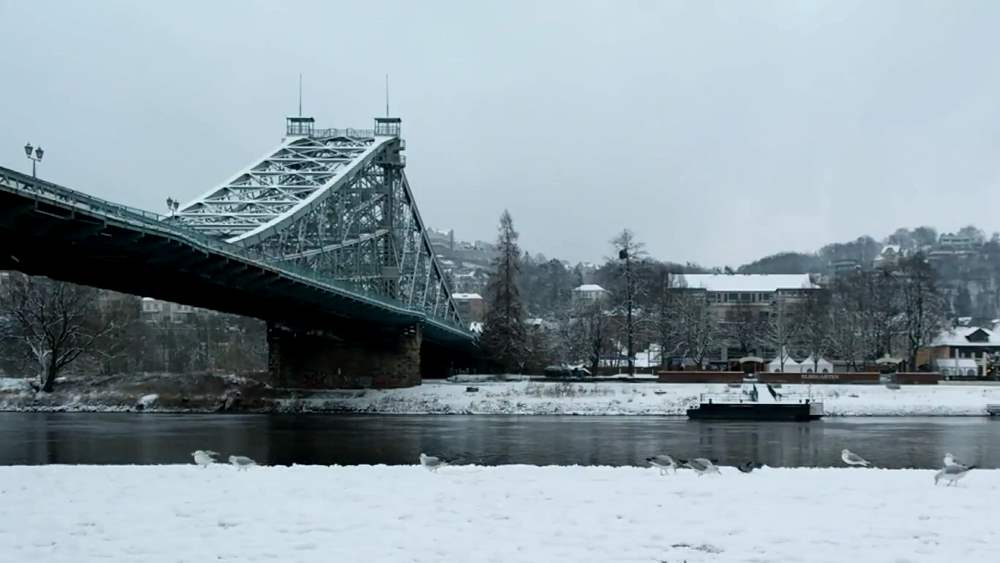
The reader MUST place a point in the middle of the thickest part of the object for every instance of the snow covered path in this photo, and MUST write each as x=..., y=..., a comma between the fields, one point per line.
x=70, y=514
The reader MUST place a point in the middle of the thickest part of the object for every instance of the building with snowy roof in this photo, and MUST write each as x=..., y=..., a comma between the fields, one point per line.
x=588, y=293
x=743, y=298
x=963, y=351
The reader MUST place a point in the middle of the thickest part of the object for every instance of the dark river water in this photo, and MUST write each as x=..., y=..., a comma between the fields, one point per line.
x=39, y=438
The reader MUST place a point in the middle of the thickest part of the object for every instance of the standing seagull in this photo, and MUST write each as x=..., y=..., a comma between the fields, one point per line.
x=952, y=473
x=241, y=462
x=663, y=463
x=702, y=466
x=432, y=463
x=950, y=460
x=204, y=458
x=851, y=458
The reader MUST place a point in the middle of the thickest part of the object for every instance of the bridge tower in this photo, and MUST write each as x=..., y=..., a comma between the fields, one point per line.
x=336, y=204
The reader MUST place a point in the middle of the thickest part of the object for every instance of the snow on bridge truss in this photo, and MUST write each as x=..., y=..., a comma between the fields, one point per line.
x=336, y=202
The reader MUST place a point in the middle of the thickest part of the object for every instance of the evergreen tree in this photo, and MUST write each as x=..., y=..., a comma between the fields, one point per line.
x=504, y=337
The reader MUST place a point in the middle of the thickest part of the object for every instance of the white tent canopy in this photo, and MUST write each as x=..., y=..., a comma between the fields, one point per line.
x=810, y=365
x=790, y=365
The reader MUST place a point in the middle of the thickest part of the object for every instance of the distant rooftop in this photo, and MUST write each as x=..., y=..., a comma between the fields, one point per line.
x=589, y=287
x=967, y=336
x=466, y=296
x=745, y=282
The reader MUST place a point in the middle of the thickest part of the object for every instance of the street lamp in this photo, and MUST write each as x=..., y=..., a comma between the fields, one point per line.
x=35, y=158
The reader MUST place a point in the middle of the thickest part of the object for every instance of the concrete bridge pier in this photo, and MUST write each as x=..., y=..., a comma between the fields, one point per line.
x=319, y=359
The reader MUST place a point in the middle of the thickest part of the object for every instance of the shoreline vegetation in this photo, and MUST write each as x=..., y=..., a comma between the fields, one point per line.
x=474, y=395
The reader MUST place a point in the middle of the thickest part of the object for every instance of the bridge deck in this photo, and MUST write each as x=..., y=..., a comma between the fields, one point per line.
x=47, y=229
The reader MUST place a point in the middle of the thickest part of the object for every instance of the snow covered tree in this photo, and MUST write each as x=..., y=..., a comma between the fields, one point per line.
x=593, y=328
x=921, y=305
x=745, y=327
x=812, y=324
x=504, y=335
x=56, y=320
x=697, y=331
x=628, y=251
x=664, y=315
x=780, y=328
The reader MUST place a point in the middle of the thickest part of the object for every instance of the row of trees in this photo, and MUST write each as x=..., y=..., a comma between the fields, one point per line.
x=48, y=326
x=861, y=317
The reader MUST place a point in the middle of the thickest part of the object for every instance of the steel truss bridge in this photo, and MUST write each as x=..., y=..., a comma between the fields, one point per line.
x=322, y=231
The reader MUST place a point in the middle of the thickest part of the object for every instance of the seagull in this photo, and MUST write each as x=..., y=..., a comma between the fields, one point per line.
x=749, y=466
x=204, y=458
x=432, y=463
x=663, y=463
x=950, y=460
x=241, y=462
x=851, y=458
x=702, y=466
x=952, y=473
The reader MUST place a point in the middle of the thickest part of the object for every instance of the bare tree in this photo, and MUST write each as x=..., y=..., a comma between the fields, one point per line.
x=117, y=342
x=538, y=352
x=745, y=326
x=813, y=324
x=629, y=250
x=664, y=321
x=57, y=321
x=867, y=302
x=504, y=335
x=921, y=304
x=847, y=340
x=780, y=329
x=697, y=330
x=593, y=329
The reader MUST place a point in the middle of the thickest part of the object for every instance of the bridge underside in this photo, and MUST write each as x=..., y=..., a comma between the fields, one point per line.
x=319, y=337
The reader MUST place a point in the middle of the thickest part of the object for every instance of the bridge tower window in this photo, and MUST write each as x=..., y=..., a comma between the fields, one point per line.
x=299, y=126
x=388, y=126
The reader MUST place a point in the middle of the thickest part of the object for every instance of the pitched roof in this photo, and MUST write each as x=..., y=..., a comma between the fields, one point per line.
x=960, y=336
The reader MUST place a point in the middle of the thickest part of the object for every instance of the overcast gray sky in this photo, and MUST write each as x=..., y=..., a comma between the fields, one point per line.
x=718, y=132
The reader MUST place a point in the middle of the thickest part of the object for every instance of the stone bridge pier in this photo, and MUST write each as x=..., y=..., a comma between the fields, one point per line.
x=320, y=359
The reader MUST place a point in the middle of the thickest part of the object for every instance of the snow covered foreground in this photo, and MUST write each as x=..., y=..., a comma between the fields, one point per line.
x=613, y=398
x=484, y=514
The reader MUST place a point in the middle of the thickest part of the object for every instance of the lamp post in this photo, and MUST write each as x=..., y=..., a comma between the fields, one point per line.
x=623, y=254
x=35, y=157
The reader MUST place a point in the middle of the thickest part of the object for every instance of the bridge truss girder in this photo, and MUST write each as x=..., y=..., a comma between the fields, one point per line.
x=354, y=222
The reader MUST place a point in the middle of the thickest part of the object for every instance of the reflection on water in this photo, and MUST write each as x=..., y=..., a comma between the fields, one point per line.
x=37, y=438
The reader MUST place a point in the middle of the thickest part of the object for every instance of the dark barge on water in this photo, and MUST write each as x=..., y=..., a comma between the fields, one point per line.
x=747, y=406
x=757, y=411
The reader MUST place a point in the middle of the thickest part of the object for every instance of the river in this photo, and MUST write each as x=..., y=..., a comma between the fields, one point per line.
x=69, y=438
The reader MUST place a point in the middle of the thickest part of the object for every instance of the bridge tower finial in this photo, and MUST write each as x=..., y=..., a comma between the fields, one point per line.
x=300, y=94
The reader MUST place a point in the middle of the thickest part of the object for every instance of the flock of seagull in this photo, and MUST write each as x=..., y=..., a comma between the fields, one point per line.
x=204, y=458
x=952, y=471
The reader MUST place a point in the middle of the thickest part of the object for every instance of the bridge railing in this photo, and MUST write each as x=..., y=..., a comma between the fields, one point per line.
x=42, y=190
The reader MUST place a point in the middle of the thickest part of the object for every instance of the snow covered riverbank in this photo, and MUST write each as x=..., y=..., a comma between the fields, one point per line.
x=613, y=398
x=480, y=396
x=71, y=514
